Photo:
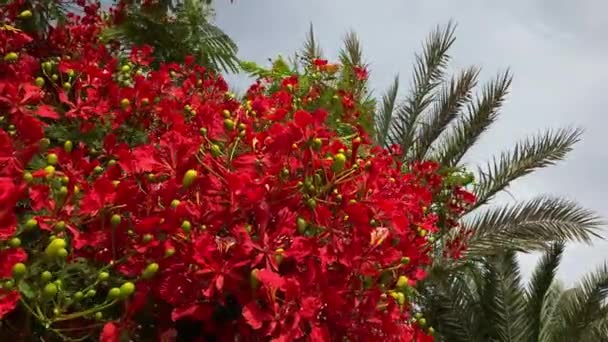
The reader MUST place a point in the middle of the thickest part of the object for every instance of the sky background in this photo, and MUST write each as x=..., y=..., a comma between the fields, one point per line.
x=557, y=50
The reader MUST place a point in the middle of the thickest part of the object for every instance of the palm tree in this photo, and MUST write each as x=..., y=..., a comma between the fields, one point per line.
x=488, y=302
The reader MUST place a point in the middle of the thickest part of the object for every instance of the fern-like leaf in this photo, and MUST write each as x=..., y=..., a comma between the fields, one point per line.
x=429, y=71
x=528, y=155
x=311, y=49
x=583, y=305
x=531, y=225
x=385, y=112
x=446, y=108
x=540, y=284
x=469, y=128
x=502, y=299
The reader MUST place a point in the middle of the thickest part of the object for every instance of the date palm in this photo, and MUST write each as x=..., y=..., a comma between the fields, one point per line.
x=489, y=302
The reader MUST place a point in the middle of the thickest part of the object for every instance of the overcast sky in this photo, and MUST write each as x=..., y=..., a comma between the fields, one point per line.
x=557, y=50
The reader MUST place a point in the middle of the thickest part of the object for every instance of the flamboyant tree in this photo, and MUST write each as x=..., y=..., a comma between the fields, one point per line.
x=141, y=200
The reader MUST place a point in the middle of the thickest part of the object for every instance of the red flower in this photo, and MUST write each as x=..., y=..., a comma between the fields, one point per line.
x=110, y=333
x=254, y=220
x=360, y=73
x=8, y=301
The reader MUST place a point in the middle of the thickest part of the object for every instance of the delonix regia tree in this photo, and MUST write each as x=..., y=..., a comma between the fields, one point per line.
x=136, y=195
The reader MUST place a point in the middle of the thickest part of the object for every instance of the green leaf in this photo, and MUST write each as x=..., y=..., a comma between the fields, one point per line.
x=530, y=225
x=542, y=279
x=280, y=67
x=446, y=107
x=533, y=153
x=468, y=129
x=311, y=49
x=26, y=290
x=428, y=74
x=581, y=306
x=344, y=129
x=385, y=112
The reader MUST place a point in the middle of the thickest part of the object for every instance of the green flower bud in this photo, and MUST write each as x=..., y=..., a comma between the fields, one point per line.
x=302, y=225
x=46, y=276
x=150, y=271
x=189, y=178
x=402, y=282
x=103, y=276
x=25, y=14
x=14, y=242
x=28, y=177
x=114, y=293
x=50, y=290
x=186, y=226
x=147, y=238
x=115, y=220
x=52, y=159
x=126, y=290
x=19, y=270
x=31, y=224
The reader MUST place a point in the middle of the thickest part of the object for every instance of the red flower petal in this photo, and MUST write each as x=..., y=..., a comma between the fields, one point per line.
x=253, y=315
x=8, y=302
x=270, y=278
x=302, y=118
x=46, y=111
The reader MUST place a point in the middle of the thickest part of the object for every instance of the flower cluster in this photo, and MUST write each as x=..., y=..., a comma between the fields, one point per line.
x=135, y=201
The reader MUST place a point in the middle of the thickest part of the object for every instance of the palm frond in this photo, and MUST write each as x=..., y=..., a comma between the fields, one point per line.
x=447, y=105
x=469, y=128
x=541, y=282
x=550, y=321
x=429, y=71
x=503, y=299
x=531, y=225
x=536, y=152
x=385, y=112
x=352, y=53
x=311, y=49
x=583, y=305
x=597, y=331
x=216, y=48
x=451, y=302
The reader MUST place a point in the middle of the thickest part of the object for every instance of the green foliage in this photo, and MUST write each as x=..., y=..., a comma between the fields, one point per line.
x=530, y=225
x=176, y=29
x=532, y=153
x=330, y=85
x=44, y=14
x=488, y=302
x=429, y=72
